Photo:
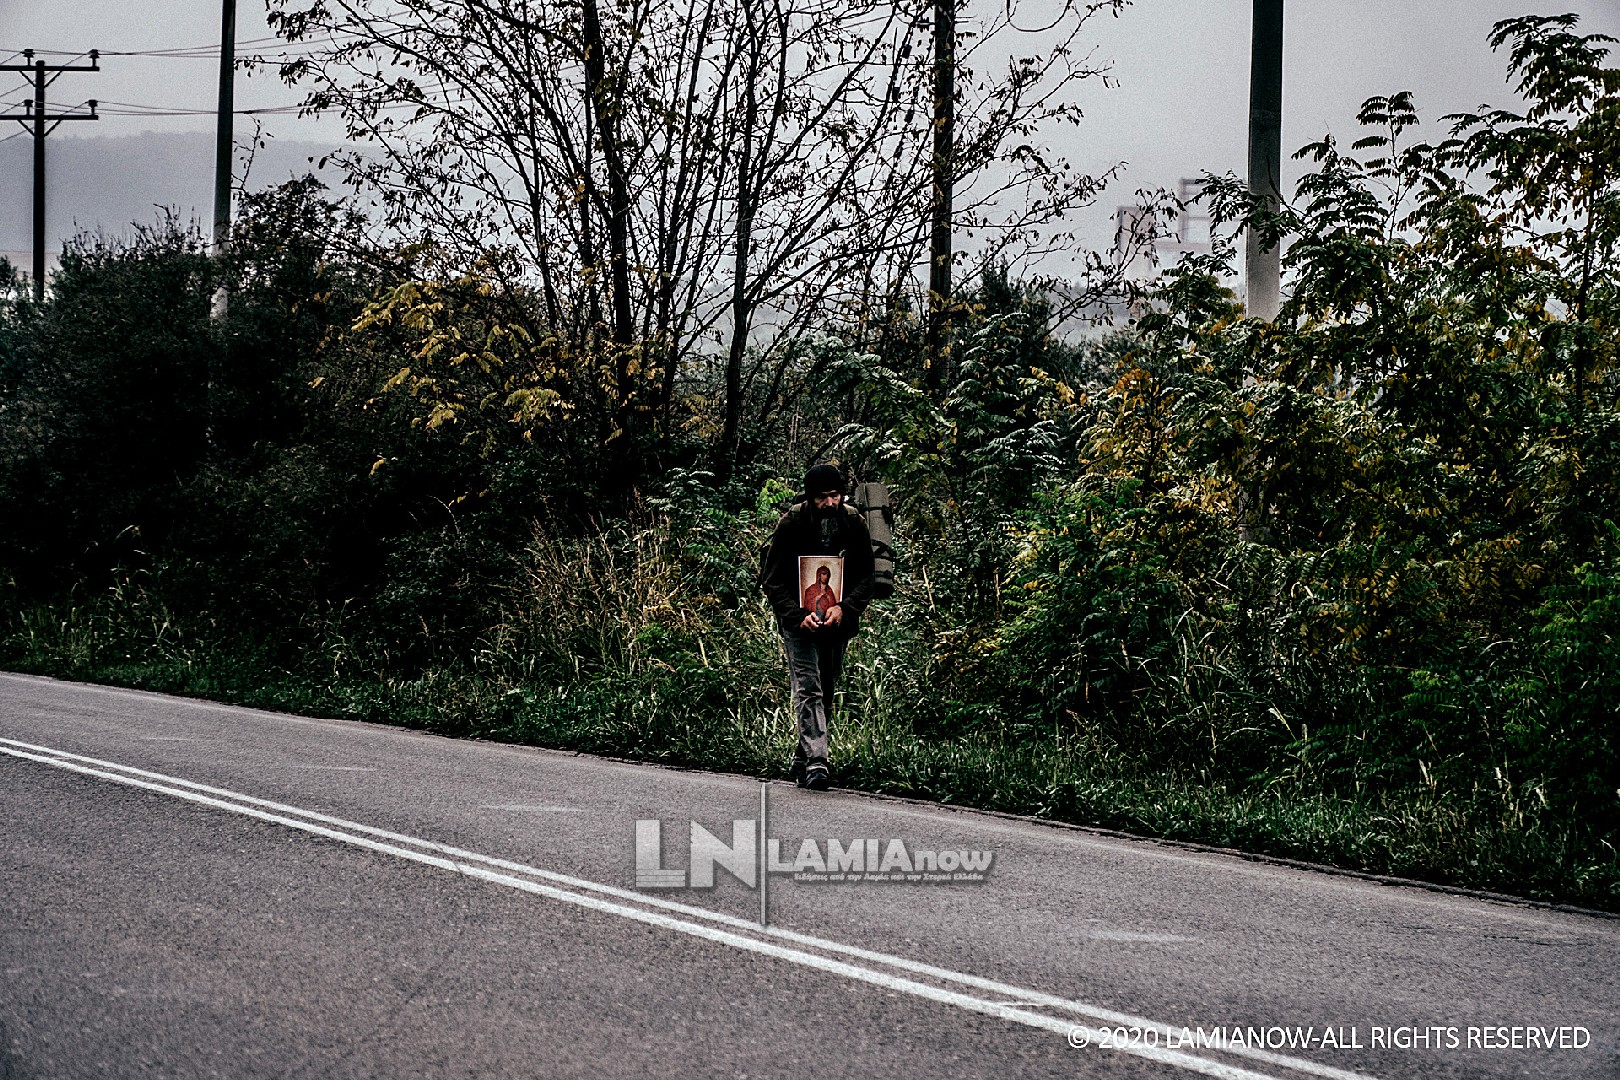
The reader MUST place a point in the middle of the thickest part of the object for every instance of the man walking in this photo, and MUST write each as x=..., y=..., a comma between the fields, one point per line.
x=820, y=526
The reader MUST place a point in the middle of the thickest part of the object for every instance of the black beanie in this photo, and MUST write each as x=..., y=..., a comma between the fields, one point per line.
x=822, y=479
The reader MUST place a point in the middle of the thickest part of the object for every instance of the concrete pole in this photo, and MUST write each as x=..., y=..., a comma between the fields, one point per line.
x=1263, y=266
x=223, y=147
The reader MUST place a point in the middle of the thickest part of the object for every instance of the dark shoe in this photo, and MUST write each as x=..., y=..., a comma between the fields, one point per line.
x=796, y=771
x=815, y=777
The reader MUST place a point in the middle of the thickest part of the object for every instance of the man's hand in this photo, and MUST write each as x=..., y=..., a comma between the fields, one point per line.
x=810, y=622
x=835, y=615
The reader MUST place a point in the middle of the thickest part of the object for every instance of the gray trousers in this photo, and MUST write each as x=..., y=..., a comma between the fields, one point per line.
x=815, y=662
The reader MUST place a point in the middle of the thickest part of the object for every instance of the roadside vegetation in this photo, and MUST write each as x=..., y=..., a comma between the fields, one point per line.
x=1342, y=587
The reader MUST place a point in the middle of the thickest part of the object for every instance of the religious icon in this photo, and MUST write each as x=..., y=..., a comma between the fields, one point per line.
x=821, y=582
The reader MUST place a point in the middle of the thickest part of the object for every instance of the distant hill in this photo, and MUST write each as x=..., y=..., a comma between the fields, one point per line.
x=107, y=183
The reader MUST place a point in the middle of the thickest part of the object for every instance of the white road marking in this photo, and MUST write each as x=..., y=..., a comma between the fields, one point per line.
x=466, y=862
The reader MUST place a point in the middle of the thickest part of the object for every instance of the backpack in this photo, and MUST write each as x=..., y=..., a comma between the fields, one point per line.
x=875, y=504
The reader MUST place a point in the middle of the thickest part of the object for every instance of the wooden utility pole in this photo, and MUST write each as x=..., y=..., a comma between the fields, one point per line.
x=1263, y=265
x=42, y=123
x=944, y=161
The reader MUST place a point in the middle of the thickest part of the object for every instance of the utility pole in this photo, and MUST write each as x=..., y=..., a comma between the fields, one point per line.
x=944, y=161
x=36, y=117
x=223, y=146
x=1263, y=265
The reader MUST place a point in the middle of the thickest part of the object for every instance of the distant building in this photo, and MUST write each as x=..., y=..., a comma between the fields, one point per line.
x=1149, y=240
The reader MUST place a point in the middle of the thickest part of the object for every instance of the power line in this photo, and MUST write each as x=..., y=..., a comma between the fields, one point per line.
x=209, y=51
x=212, y=47
x=132, y=108
x=300, y=49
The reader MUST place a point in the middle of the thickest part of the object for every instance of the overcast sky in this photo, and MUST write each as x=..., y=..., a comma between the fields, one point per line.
x=1181, y=65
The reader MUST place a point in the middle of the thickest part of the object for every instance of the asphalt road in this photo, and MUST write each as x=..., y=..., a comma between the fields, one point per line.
x=196, y=890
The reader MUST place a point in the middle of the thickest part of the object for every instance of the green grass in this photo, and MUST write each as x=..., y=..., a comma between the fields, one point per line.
x=728, y=711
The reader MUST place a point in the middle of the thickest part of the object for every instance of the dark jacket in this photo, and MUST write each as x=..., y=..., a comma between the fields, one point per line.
x=799, y=533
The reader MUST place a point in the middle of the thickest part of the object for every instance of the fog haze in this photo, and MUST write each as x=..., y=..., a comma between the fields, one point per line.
x=1179, y=105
